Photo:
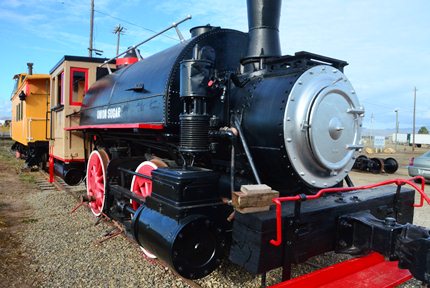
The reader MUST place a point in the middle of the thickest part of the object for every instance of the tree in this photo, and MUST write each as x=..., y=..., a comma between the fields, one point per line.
x=423, y=130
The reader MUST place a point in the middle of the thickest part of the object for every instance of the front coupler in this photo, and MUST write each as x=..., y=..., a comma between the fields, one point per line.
x=360, y=233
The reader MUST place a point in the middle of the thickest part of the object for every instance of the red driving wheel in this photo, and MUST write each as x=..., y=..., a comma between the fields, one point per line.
x=96, y=180
x=142, y=186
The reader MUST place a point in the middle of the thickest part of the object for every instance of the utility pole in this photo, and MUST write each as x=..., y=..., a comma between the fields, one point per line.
x=413, y=126
x=371, y=130
x=118, y=30
x=90, y=48
x=397, y=128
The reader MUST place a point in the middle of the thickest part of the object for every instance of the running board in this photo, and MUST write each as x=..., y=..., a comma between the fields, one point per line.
x=371, y=271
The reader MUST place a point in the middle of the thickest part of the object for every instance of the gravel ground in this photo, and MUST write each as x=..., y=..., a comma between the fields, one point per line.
x=64, y=247
x=53, y=248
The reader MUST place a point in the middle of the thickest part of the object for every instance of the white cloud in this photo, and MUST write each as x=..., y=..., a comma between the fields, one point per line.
x=231, y=14
x=11, y=3
x=19, y=18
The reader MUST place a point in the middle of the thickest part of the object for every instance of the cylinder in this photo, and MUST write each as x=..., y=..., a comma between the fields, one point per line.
x=194, y=133
x=198, y=30
x=129, y=58
x=30, y=68
x=194, y=77
x=263, y=24
x=72, y=176
x=191, y=245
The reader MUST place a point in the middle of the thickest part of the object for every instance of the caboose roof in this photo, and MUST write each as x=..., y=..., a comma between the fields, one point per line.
x=78, y=59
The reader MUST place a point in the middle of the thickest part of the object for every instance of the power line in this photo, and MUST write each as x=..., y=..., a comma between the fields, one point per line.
x=366, y=103
x=410, y=110
x=131, y=23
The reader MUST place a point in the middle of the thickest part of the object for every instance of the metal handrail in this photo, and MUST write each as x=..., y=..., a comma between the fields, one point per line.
x=29, y=121
x=134, y=47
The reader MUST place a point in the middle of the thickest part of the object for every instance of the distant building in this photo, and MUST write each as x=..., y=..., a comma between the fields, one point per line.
x=5, y=129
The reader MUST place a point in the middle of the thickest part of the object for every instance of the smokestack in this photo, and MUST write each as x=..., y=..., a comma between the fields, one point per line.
x=263, y=24
x=30, y=68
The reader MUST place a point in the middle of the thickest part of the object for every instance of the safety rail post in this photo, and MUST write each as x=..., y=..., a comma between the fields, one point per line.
x=51, y=169
x=293, y=225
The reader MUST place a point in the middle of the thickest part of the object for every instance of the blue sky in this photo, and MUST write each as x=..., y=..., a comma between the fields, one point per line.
x=386, y=42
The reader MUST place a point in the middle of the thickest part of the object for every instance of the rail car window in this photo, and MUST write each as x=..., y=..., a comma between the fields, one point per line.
x=15, y=85
x=78, y=85
x=60, y=89
x=19, y=79
x=19, y=112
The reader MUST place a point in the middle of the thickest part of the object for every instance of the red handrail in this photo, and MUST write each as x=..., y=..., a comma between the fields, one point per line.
x=398, y=182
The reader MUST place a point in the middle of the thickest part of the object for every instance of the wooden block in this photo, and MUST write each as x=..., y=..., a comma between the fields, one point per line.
x=259, y=195
x=242, y=200
x=247, y=210
x=255, y=189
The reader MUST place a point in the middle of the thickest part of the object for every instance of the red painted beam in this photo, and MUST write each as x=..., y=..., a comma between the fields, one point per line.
x=371, y=271
x=151, y=126
x=67, y=160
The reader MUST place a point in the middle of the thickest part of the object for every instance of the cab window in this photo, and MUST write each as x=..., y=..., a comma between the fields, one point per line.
x=78, y=85
x=60, y=89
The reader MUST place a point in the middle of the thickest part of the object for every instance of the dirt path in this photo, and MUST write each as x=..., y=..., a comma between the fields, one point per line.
x=16, y=266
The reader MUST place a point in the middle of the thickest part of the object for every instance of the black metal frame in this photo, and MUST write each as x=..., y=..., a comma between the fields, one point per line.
x=309, y=227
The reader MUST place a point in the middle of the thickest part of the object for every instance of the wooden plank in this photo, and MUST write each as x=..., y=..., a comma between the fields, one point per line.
x=252, y=209
x=253, y=198
x=255, y=189
x=242, y=200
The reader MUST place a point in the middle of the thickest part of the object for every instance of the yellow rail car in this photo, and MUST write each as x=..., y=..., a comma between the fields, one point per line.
x=30, y=117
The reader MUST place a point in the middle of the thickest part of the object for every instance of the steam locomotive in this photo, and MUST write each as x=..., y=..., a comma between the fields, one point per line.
x=170, y=138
